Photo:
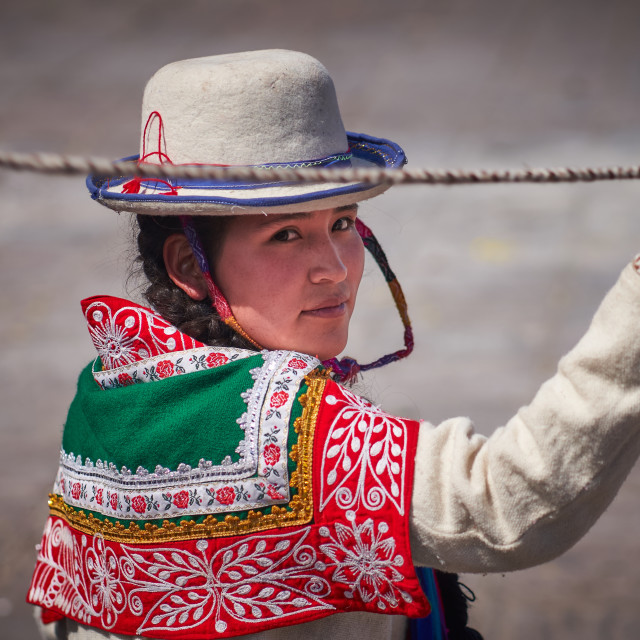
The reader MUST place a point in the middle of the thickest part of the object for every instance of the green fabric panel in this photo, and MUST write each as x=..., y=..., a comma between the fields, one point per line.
x=296, y=411
x=167, y=422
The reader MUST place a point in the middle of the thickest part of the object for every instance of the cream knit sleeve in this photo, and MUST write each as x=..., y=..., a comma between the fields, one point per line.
x=532, y=489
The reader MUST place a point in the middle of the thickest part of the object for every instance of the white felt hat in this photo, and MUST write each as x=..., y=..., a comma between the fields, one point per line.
x=259, y=108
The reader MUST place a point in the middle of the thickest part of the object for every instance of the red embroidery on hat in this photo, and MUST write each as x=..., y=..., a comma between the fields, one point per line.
x=133, y=186
x=138, y=504
x=157, y=156
x=161, y=150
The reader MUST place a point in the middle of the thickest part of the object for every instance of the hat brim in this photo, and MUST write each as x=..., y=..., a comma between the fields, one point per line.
x=216, y=198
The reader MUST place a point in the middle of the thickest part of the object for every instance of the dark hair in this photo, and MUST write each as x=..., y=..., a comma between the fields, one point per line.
x=196, y=318
x=456, y=597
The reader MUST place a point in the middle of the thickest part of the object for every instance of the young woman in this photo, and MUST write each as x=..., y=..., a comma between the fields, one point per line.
x=219, y=479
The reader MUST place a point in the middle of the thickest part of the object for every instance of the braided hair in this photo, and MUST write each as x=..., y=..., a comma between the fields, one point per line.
x=196, y=318
x=455, y=602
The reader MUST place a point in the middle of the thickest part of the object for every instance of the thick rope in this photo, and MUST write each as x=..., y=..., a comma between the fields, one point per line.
x=78, y=165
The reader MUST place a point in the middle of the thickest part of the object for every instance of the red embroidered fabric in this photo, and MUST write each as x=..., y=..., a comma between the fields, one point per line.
x=353, y=555
x=124, y=332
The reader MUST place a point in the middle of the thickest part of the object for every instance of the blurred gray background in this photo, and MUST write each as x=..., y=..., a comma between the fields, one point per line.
x=501, y=280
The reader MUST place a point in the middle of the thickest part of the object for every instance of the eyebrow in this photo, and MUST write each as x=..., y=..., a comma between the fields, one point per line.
x=277, y=218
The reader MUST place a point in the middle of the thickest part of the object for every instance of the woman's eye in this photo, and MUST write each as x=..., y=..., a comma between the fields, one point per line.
x=342, y=224
x=285, y=235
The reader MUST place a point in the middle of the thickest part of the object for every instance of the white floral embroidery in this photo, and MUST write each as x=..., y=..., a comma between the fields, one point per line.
x=365, y=561
x=118, y=336
x=105, y=591
x=266, y=576
x=258, y=578
x=112, y=343
x=367, y=445
x=84, y=580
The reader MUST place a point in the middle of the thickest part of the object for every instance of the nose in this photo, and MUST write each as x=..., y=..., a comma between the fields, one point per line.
x=326, y=261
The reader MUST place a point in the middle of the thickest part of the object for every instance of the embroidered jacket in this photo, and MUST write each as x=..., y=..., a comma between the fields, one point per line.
x=210, y=492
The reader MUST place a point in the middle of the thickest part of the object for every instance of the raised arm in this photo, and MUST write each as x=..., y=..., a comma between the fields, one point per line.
x=531, y=490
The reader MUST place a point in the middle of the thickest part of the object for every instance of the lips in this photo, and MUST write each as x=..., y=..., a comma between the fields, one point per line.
x=330, y=308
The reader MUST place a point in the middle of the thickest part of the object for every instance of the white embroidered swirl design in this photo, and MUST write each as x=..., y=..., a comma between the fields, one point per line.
x=262, y=577
x=363, y=460
x=84, y=579
x=118, y=336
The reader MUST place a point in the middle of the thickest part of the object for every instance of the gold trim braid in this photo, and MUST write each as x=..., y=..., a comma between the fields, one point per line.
x=298, y=511
x=302, y=452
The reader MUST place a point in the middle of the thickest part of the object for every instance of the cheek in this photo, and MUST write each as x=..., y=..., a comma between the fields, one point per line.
x=255, y=287
x=355, y=263
x=233, y=275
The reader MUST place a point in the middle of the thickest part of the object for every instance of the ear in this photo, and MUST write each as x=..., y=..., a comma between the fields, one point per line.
x=183, y=268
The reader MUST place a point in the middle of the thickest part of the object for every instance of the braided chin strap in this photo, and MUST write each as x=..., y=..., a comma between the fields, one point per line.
x=219, y=302
x=346, y=368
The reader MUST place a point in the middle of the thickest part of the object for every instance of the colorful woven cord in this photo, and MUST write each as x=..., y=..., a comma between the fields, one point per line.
x=218, y=300
x=348, y=368
x=434, y=626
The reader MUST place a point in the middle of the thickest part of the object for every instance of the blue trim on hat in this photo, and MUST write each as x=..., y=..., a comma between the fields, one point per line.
x=379, y=151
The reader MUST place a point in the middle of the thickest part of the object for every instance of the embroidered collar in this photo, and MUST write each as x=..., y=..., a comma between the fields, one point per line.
x=124, y=332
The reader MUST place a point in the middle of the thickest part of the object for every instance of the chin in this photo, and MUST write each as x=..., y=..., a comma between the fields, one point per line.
x=326, y=352
x=321, y=347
